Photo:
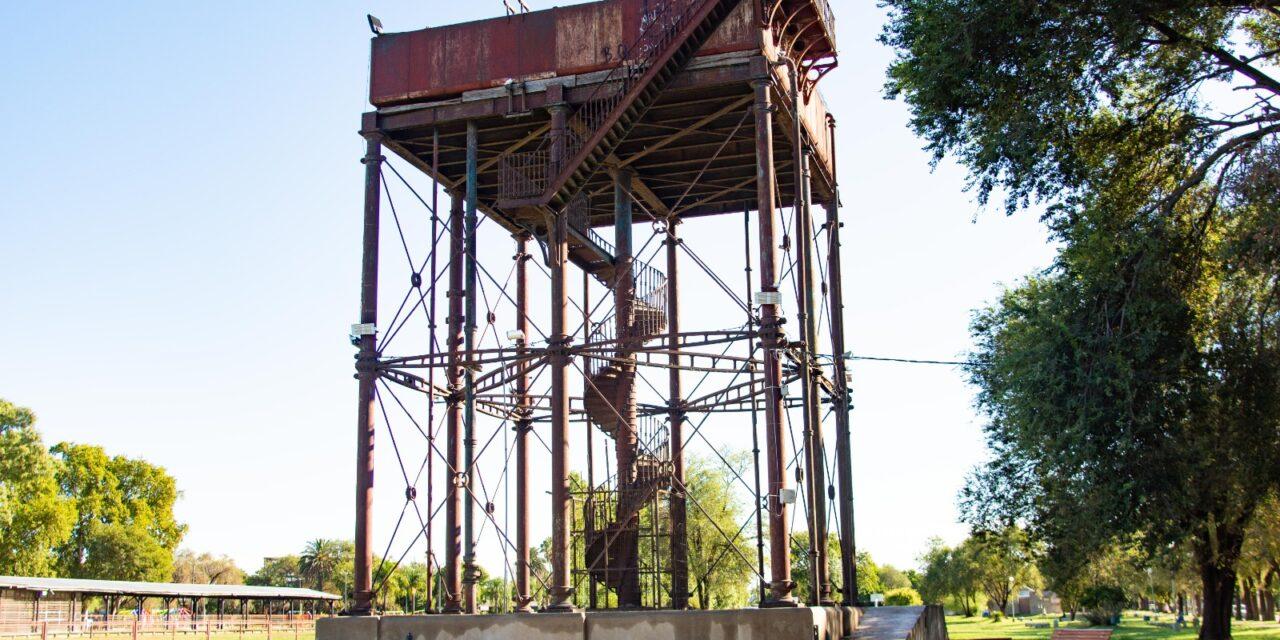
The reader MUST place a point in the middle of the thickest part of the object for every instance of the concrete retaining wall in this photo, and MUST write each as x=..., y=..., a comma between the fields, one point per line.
x=817, y=623
x=805, y=623
x=549, y=626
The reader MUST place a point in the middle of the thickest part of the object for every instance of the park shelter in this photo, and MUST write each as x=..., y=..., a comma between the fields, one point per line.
x=62, y=601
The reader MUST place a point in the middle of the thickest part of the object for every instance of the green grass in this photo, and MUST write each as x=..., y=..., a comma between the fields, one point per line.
x=1132, y=627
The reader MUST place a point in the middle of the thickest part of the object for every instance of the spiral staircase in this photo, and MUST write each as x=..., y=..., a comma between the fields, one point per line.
x=612, y=514
x=551, y=179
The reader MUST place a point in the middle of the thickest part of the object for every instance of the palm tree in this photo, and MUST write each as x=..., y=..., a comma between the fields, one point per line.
x=321, y=559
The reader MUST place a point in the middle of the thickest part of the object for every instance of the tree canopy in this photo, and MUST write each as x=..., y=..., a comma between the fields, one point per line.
x=74, y=511
x=34, y=515
x=1028, y=94
x=951, y=575
x=720, y=566
x=124, y=512
x=205, y=568
x=1133, y=388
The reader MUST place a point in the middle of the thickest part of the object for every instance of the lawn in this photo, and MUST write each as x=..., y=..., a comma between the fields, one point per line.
x=1132, y=627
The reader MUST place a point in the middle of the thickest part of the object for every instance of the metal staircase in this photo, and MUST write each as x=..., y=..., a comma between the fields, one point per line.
x=671, y=33
x=552, y=178
x=612, y=515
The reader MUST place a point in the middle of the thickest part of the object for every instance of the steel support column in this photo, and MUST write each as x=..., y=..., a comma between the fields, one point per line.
x=675, y=414
x=431, y=373
x=523, y=597
x=623, y=301
x=470, y=571
x=558, y=250
x=366, y=372
x=842, y=401
x=625, y=435
x=820, y=581
x=559, y=129
x=453, y=416
x=780, y=585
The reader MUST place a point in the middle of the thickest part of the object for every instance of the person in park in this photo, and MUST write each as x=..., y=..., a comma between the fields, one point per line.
x=1133, y=388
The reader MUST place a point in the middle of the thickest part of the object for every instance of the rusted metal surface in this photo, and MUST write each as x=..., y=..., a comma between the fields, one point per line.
x=453, y=416
x=780, y=584
x=470, y=574
x=841, y=400
x=675, y=415
x=365, y=370
x=692, y=96
x=561, y=587
x=446, y=61
x=523, y=595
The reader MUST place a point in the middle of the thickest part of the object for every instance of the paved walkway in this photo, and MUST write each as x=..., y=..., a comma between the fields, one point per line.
x=887, y=623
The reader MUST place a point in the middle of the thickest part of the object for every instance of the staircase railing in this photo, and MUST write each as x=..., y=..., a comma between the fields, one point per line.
x=579, y=213
x=604, y=331
x=659, y=26
x=650, y=286
x=653, y=438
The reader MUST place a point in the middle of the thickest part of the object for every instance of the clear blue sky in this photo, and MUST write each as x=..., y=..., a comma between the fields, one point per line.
x=179, y=236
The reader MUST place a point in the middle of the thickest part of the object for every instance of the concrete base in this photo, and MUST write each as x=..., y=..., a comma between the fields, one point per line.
x=800, y=623
x=525, y=626
x=347, y=628
x=795, y=623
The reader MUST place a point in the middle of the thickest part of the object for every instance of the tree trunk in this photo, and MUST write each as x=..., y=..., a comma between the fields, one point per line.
x=1219, y=592
x=1247, y=593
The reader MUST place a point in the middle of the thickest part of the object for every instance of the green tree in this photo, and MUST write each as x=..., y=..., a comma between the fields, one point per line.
x=1260, y=559
x=951, y=574
x=114, y=495
x=1005, y=561
x=1128, y=394
x=34, y=516
x=720, y=548
x=802, y=572
x=892, y=578
x=149, y=493
x=1016, y=92
x=119, y=551
x=282, y=571
x=411, y=592
x=868, y=577
x=902, y=597
x=205, y=568
x=1131, y=388
x=322, y=562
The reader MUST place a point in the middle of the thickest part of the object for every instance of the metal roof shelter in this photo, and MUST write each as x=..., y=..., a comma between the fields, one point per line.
x=161, y=589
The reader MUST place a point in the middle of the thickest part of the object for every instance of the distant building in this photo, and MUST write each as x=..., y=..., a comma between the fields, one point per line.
x=1033, y=602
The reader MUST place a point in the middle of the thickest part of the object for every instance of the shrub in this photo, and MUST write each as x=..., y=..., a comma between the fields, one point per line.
x=1102, y=603
x=997, y=616
x=902, y=597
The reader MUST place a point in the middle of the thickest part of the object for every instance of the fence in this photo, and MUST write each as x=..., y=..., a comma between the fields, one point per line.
x=283, y=627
